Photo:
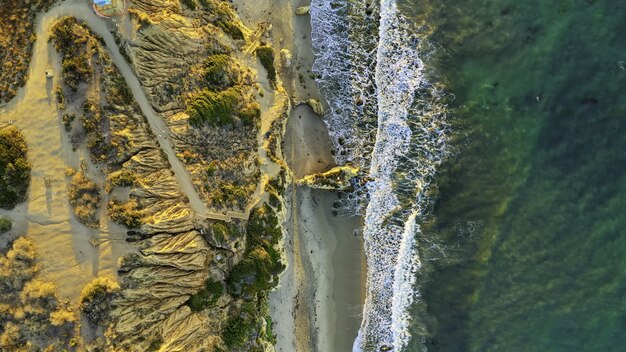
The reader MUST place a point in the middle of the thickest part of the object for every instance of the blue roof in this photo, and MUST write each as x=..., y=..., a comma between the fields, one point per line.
x=102, y=2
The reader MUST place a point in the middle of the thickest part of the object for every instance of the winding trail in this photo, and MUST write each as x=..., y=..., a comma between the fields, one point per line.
x=82, y=11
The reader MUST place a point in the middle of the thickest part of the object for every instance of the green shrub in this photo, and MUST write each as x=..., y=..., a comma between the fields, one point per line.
x=206, y=297
x=14, y=167
x=191, y=4
x=84, y=197
x=96, y=298
x=213, y=108
x=231, y=28
x=123, y=178
x=266, y=56
x=250, y=113
x=126, y=214
x=224, y=19
x=68, y=37
x=217, y=71
x=5, y=224
x=262, y=263
x=236, y=331
x=254, y=273
x=118, y=92
x=67, y=121
x=156, y=344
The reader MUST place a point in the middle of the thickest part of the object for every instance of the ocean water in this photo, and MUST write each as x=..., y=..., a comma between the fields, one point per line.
x=530, y=213
x=491, y=135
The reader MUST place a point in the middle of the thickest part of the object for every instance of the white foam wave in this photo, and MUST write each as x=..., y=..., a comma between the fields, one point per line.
x=409, y=144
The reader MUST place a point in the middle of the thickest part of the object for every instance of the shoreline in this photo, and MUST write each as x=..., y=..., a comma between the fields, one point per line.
x=318, y=303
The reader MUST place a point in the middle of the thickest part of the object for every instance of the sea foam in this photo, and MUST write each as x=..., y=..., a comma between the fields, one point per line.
x=387, y=118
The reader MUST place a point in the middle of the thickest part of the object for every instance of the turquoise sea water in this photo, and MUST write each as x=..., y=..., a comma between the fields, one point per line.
x=530, y=218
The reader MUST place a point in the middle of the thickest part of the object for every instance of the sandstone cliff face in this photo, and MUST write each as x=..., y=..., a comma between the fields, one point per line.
x=169, y=50
x=172, y=259
x=177, y=251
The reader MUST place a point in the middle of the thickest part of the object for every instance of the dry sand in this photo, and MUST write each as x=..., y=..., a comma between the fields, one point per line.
x=62, y=243
x=317, y=306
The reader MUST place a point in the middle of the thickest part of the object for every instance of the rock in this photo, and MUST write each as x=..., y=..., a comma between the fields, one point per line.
x=317, y=106
x=336, y=179
x=303, y=10
x=285, y=58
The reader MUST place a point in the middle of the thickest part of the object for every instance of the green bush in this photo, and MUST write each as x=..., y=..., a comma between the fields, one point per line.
x=224, y=19
x=126, y=214
x=14, y=167
x=84, y=197
x=231, y=28
x=191, y=4
x=236, y=331
x=68, y=38
x=96, y=298
x=123, y=178
x=118, y=92
x=262, y=263
x=5, y=224
x=206, y=297
x=213, y=108
x=266, y=56
x=67, y=121
x=250, y=113
x=217, y=71
x=206, y=4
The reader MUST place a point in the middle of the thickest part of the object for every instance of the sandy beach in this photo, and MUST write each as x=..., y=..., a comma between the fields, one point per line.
x=317, y=306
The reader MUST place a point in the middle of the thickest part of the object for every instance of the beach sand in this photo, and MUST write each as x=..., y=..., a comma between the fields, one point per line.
x=317, y=306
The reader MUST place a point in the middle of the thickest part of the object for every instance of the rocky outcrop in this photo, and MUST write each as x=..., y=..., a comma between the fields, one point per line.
x=303, y=10
x=336, y=179
x=317, y=106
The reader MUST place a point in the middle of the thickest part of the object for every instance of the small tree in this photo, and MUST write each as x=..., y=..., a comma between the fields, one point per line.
x=5, y=224
x=96, y=298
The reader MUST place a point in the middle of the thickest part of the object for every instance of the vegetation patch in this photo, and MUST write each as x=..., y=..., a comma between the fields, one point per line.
x=14, y=167
x=191, y=4
x=219, y=72
x=266, y=56
x=127, y=214
x=258, y=271
x=236, y=331
x=96, y=299
x=5, y=224
x=214, y=108
x=32, y=317
x=123, y=178
x=69, y=37
x=17, y=37
x=84, y=197
x=207, y=297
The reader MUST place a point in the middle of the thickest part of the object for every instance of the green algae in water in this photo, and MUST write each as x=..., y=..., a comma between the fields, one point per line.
x=532, y=210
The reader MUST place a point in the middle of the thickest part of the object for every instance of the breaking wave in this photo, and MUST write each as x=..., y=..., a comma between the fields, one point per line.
x=387, y=118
